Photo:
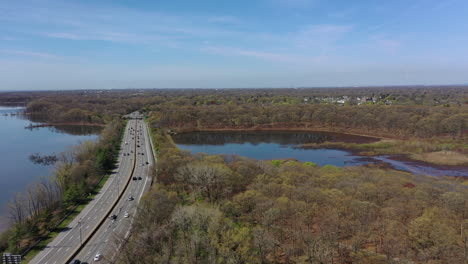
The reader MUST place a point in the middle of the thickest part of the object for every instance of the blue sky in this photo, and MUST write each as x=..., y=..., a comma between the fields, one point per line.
x=91, y=44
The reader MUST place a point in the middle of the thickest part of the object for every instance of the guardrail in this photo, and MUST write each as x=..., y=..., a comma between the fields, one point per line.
x=127, y=236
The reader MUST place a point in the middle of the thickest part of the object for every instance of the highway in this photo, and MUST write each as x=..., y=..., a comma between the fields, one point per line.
x=66, y=244
x=107, y=239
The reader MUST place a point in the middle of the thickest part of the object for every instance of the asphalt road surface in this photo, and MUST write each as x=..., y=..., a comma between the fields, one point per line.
x=67, y=242
x=108, y=238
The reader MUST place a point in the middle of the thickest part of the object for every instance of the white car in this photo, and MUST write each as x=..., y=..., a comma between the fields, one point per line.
x=98, y=257
x=126, y=215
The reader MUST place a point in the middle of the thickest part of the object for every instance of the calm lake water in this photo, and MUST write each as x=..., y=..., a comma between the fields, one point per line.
x=18, y=142
x=270, y=145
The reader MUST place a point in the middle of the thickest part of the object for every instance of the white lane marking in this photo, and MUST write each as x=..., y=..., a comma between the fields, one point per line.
x=105, y=234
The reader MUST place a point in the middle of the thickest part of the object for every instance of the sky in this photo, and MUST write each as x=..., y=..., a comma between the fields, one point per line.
x=113, y=44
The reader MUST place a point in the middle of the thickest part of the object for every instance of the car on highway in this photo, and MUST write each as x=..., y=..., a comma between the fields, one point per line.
x=98, y=257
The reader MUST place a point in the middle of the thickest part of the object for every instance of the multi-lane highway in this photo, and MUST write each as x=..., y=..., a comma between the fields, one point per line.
x=91, y=232
x=107, y=239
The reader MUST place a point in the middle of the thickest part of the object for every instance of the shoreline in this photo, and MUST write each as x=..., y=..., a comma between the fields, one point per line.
x=355, y=149
x=284, y=129
x=65, y=124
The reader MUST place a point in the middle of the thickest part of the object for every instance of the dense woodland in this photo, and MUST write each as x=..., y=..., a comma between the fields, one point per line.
x=390, y=121
x=217, y=209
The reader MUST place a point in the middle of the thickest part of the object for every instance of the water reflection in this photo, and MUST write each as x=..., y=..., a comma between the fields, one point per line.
x=76, y=130
x=256, y=137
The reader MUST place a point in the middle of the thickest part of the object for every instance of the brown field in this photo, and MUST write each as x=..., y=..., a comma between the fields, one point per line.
x=442, y=157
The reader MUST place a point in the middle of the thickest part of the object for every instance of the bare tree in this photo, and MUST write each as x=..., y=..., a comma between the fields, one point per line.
x=17, y=209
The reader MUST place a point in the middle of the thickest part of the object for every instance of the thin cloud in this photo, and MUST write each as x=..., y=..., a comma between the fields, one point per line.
x=293, y=3
x=119, y=37
x=41, y=55
x=224, y=19
x=386, y=43
x=327, y=29
x=65, y=36
x=264, y=55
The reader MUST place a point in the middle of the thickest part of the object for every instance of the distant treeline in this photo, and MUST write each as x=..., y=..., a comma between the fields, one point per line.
x=393, y=111
x=392, y=121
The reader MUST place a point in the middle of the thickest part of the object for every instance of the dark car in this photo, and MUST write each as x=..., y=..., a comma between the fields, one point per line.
x=76, y=261
x=113, y=217
x=139, y=178
x=134, y=178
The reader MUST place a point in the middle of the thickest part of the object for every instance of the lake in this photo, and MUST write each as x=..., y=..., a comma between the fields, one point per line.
x=18, y=142
x=271, y=145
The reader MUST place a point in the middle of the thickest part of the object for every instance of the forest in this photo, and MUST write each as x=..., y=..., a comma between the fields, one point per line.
x=396, y=112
